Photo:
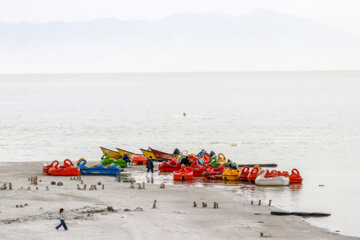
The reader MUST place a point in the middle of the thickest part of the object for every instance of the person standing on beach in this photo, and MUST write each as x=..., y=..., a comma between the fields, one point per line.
x=62, y=220
x=149, y=166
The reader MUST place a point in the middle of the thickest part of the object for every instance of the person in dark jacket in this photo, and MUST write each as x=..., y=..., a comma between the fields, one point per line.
x=149, y=166
x=185, y=161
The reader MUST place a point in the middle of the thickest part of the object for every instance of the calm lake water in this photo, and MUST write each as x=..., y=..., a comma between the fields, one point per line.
x=304, y=120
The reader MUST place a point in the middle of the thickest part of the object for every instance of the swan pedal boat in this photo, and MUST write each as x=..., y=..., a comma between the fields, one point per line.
x=265, y=178
x=183, y=174
x=107, y=160
x=98, y=169
x=169, y=166
x=65, y=170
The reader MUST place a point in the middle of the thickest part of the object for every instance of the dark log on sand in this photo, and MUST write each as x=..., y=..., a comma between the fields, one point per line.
x=301, y=214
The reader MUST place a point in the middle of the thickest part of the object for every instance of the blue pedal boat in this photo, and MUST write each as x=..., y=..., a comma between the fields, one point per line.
x=97, y=169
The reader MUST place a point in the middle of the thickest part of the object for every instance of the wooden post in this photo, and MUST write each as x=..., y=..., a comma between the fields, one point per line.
x=252, y=202
x=10, y=186
x=143, y=185
x=261, y=234
x=259, y=202
x=195, y=205
x=84, y=187
x=154, y=205
x=103, y=187
x=270, y=202
x=204, y=205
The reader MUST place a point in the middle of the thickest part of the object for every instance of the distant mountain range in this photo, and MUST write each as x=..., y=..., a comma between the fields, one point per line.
x=259, y=40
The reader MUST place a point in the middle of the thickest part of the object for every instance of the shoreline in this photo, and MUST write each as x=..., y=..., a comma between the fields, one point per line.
x=175, y=217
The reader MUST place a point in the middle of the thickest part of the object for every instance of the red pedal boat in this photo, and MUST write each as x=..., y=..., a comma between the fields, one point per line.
x=65, y=170
x=214, y=173
x=295, y=177
x=253, y=174
x=244, y=174
x=138, y=159
x=47, y=167
x=169, y=166
x=184, y=174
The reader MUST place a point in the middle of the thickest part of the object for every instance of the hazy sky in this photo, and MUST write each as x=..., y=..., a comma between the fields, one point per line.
x=343, y=15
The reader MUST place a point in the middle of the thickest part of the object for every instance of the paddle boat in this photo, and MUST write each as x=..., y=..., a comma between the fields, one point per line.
x=169, y=166
x=107, y=160
x=198, y=169
x=47, y=167
x=183, y=174
x=214, y=173
x=213, y=161
x=162, y=155
x=111, y=153
x=97, y=169
x=231, y=175
x=65, y=170
x=221, y=158
x=267, y=178
x=295, y=177
x=148, y=154
x=253, y=173
x=138, y=159
x=244, y=174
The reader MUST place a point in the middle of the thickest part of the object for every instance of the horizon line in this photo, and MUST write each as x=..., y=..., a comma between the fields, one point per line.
x=179, y=72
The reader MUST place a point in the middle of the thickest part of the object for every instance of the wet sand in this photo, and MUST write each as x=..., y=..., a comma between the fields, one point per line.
x=133, y=216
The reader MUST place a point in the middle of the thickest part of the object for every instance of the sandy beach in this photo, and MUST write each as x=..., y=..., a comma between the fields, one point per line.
x=133, y=217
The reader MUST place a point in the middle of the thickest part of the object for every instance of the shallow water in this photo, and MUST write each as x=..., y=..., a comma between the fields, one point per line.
x=307, y=120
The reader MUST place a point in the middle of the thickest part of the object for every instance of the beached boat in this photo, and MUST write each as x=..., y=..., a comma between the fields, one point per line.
x=107, y=160
x=47, y=167
x=65, y=170
x=254, y=173
x=148, y=154
x=183, y=174
x=55, y=164
x=244, y=174
x=231, y=175
x=169, y=166
x=162, y=155
x=138, y=159
x=122, y=152
x=214, y=173
x=111, y=153
x=98, y=169
x=267, y=178
x=295, y=177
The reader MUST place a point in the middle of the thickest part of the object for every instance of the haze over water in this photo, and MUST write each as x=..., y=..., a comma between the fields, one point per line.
x=304, y=120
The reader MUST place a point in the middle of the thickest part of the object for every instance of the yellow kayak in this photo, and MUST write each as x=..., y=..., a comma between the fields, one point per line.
x=112, y=153
x=148, y=154
x=122, y=152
